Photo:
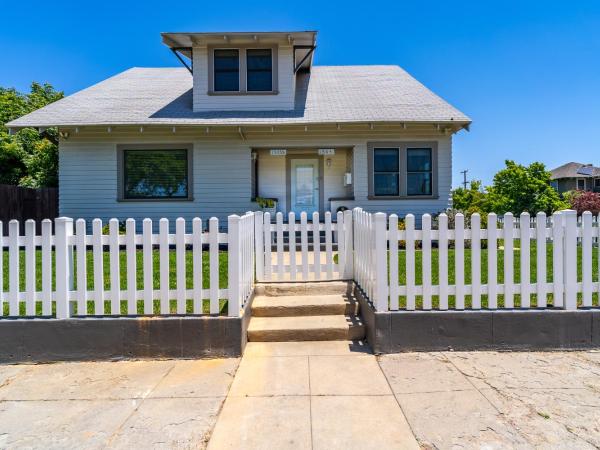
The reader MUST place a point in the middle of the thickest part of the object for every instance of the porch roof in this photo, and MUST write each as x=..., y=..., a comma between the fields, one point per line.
x=328, y=94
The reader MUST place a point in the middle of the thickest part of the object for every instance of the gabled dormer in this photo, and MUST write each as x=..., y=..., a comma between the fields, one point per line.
x=244, y=71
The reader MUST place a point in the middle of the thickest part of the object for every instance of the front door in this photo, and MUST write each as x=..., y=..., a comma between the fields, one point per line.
x=304, y=186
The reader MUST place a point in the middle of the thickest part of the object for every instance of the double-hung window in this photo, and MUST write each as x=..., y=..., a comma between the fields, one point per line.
x=402, y=169
x=259, y=70
x=227, y=70
x=386, y=174
x=419, y=171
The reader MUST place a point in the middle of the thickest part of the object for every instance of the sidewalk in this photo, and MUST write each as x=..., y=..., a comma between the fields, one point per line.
x=115, y=404
x=310, y=395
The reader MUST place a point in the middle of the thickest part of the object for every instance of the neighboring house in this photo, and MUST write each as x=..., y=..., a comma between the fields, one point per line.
x=251, y=117
x=572, y=176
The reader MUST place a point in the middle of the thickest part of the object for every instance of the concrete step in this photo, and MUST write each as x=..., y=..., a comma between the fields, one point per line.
x=304, y=288
x=302, y=305
x=305, y=328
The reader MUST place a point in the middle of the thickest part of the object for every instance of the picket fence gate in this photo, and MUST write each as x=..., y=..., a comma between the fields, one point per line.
x=284, y=252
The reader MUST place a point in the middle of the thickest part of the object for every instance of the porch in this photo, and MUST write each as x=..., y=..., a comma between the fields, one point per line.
x=303, y=179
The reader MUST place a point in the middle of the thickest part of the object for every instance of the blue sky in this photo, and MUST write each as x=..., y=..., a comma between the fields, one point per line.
x=526, y=72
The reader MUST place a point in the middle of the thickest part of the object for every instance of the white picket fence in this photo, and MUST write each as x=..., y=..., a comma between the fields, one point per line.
x=60, y=297
x=285, y=253
x=71, y=278
x=378, y=242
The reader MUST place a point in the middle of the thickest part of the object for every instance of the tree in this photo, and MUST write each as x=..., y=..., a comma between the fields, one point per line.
x=471, y=199
x=518, y=188
x=28, y=158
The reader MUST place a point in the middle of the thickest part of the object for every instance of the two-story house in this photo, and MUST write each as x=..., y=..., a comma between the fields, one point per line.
x=251, y=116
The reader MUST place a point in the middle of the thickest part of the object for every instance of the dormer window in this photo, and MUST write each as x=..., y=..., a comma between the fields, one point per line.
x=227, y=70
x=259, y=66
x=242, y=71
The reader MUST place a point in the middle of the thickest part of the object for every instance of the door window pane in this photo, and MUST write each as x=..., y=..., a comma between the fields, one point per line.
x=581, y=184
x=305, y=185
x=259, y=68
x=386, y=171
x=419, y=171
x=226, y=70
x=155, y=174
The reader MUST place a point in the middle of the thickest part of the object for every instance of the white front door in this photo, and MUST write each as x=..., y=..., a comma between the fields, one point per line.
x=304, y=186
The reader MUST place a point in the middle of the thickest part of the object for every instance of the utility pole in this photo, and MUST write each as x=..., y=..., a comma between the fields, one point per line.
x=464, y=172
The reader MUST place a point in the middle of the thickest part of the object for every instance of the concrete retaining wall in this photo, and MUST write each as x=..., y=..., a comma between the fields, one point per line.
x=102, y=338
x=550, y=329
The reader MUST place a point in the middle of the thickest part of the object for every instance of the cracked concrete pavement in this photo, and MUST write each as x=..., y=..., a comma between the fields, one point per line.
x=120, y=404
x=499, y=399
x=449, y=399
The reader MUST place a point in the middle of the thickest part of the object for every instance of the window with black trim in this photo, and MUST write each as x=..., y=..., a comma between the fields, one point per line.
x=419, y=171
x=259, y=69
x=226, y=70
x=386, y=175
x=155, y=174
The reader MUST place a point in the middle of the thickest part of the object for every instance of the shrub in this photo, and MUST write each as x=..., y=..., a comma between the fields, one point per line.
x=582, y=201
x=106, y=228
x=264, y=203
x=451, y=213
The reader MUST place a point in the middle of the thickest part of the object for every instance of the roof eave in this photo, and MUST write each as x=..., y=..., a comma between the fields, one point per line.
x=439, y=124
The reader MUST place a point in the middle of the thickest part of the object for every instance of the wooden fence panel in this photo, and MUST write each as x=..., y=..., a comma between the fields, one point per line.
x=21, y=203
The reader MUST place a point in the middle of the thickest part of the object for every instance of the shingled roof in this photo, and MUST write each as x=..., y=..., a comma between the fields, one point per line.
x=329, y=94
x=573, y=170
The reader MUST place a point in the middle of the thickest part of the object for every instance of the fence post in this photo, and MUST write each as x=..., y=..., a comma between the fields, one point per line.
x=64, y=229
x=570, y=259
x=381, y=273
x=234, y=265
x=259, y=250
x=348, y=245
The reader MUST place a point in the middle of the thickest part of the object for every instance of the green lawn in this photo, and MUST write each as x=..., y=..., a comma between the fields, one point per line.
x=223, y=275
x=484, y=273
x=123, y=278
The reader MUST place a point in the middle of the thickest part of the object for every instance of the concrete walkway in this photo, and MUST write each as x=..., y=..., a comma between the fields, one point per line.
x=310, y=395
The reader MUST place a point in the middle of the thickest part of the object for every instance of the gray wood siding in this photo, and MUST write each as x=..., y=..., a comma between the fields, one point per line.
x=284, y=100
x=88, y=184
x=222, y=175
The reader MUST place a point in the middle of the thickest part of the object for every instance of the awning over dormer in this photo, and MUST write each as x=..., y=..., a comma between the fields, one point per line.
x=303, y=42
